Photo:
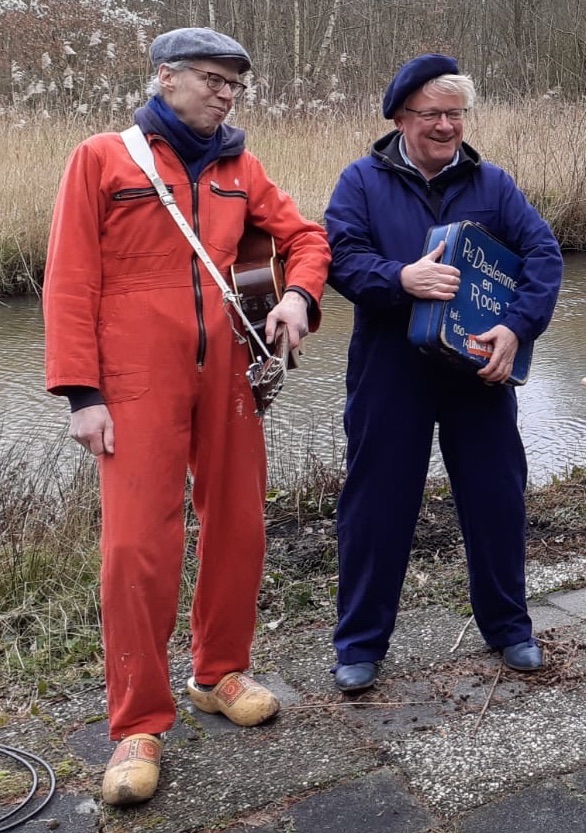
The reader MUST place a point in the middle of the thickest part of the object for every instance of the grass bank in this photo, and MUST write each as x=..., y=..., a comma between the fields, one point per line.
x=541, y=143
x=49, y=559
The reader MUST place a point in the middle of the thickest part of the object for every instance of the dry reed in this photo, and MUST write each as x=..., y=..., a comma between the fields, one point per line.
x=541, y=143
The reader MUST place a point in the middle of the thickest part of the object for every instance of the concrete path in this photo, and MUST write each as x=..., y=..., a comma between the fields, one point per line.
x=449, y=741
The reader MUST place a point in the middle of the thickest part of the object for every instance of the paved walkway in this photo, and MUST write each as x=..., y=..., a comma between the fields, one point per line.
x=449, y=741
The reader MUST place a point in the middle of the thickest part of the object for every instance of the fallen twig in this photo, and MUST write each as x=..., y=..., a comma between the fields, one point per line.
x=388, y=704
x=488, y=699
x=461, y=636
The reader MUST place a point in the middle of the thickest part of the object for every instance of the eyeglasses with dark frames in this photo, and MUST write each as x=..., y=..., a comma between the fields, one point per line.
x=456, y=114
x=217, y=82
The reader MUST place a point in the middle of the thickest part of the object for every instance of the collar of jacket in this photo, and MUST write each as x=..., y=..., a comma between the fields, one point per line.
x=386, y=151
x=233, y=138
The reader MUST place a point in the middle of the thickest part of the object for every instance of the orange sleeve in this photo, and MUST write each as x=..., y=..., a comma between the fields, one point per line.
x=73, y=276
x=301, y=242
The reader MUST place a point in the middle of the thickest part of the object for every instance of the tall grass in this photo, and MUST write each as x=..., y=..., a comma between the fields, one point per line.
x=541, y=143
x=49, y=561
x=31, y=164
x=49, y=516
x=49, y=549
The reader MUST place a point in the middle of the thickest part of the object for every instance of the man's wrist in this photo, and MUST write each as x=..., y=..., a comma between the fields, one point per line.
x=83, y=397
x=302, y=292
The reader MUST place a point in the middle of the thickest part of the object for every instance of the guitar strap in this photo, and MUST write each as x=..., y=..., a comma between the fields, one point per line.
x=266, y=378
x=140, y=151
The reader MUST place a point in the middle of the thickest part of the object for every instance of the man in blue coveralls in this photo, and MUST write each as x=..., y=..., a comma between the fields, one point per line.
x=419, y=175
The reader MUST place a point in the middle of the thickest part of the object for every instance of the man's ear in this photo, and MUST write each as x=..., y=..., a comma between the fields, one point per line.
x=166, y=76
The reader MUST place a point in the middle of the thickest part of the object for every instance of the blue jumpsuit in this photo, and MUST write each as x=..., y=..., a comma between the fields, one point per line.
x=377, y=222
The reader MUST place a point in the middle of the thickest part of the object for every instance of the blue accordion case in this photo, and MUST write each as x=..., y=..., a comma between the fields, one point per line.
x=489, y=272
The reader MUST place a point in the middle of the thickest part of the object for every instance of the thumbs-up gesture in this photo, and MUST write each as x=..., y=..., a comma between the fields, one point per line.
x=430, y=280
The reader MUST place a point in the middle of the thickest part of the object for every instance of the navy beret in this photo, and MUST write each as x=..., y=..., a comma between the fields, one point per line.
x=183, y=44
x=413, y=75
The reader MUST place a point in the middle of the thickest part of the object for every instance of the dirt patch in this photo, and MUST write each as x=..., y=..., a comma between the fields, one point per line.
x=301, y=574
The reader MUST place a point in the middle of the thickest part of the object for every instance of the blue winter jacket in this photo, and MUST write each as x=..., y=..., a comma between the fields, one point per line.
x=381, y=210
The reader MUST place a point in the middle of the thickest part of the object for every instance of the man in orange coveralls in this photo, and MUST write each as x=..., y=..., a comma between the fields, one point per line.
x=140, y=341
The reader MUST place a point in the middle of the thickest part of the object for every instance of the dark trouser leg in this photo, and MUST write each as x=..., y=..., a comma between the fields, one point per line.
x=486, y=463
x=389, y=421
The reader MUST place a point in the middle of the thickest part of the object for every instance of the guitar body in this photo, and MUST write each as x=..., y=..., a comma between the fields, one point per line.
x=258, y=278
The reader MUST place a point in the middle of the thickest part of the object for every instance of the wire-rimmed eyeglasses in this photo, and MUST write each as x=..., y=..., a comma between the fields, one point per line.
x=217, y=82
x=456, y=114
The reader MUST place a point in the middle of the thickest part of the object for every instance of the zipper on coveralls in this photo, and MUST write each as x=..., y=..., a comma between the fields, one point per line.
x=201, y=349
x=223, y=192
x=136, y=193
x=196, y=281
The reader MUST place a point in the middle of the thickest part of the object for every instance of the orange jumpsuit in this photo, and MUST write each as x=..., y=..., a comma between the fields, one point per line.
x=130, y=311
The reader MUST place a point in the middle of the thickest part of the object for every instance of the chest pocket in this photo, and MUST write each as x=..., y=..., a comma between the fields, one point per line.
x=132, y=211
x=222, y=213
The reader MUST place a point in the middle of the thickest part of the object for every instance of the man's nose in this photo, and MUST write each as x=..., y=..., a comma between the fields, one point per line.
x=225, y=92
x=443, y=123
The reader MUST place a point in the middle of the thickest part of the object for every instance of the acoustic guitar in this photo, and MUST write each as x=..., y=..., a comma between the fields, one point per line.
x=258, y=279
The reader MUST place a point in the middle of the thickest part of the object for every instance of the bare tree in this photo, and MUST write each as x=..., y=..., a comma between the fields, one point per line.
x=510, y=47
x=212, y=13
x=326, y=40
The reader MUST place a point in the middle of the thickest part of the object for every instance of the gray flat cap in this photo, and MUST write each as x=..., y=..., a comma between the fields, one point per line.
x=183, y=44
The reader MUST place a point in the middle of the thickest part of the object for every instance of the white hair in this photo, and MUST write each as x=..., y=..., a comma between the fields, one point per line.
x=453, y=85
x=153, y=86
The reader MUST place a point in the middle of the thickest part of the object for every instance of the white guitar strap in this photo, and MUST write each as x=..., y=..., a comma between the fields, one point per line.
x=140, y=151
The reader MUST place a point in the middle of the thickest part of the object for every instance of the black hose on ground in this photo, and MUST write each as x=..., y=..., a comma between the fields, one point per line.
x=28, y=761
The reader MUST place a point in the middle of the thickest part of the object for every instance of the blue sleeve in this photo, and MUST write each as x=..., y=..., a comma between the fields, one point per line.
x=358, y=271
x=526, y=232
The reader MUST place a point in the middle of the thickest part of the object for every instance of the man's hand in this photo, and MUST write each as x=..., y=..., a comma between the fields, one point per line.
x=505, y=344
x=292, y=312
x=430, y=280
x=93, y=428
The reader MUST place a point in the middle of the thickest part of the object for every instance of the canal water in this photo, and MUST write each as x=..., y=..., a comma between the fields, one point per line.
x=304, y=427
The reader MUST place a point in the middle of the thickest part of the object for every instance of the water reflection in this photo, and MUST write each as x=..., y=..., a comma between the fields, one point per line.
x=307, y=416
x=27, y=413
x=552, y=405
